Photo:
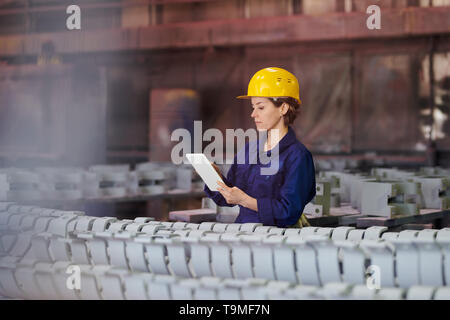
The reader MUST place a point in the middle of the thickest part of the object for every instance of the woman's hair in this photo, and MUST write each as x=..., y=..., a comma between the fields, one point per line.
x=294, y=108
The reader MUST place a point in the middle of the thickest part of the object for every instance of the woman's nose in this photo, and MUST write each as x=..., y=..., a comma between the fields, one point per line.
x=253, y=114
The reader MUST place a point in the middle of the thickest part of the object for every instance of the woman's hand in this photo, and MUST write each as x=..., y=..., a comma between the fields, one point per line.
x=233, y=195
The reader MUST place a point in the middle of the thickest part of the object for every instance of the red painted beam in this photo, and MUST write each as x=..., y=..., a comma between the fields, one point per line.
x=87, y=5
x=396, y=23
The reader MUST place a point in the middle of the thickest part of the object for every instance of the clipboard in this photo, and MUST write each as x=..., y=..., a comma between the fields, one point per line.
x=204, y=169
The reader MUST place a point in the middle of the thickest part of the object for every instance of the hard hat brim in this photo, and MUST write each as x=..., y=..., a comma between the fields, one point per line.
x=249, y=97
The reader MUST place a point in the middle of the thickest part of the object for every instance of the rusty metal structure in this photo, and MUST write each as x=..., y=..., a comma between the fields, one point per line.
x=369, y=94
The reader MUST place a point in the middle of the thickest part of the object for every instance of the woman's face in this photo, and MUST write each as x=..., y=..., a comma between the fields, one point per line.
x=266, y=115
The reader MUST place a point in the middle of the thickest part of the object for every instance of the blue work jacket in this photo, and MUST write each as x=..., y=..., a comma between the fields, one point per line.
x=281, y=196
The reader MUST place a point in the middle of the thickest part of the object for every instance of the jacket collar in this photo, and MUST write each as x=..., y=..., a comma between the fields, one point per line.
x=289, y=138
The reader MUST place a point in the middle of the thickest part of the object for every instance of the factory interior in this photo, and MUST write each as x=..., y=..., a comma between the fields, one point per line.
x=102, y=101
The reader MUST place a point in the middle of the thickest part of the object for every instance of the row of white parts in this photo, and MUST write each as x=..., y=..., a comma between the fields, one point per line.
x=49, y=233
x=13, y=216
x=19, y=223
x=341, y=233
x=77, y=221
x=59, y=246
x=17, y=243
x=39, y=280
x=21, y=218
x=21, y=226
x=62, y=225
x=52, y=230
x=337, y=234
x=315, y=260
x=50, y=241
x=49, y=223
x=13, y=207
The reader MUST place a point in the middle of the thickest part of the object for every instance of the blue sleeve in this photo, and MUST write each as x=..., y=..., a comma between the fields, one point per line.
x=298, y=189
x=229, y=181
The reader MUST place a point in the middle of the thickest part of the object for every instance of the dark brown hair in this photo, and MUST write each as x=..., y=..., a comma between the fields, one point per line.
x=294, y=108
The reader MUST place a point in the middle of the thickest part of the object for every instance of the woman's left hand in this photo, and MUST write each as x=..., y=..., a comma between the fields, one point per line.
x=232, y=195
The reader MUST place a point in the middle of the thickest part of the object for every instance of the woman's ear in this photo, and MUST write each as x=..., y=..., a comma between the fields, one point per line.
x=284, y=108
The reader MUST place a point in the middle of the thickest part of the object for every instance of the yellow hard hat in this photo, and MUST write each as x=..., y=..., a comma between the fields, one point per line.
x=273, y=83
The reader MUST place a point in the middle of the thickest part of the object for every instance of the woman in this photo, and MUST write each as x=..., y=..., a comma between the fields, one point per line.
x=277, y=199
